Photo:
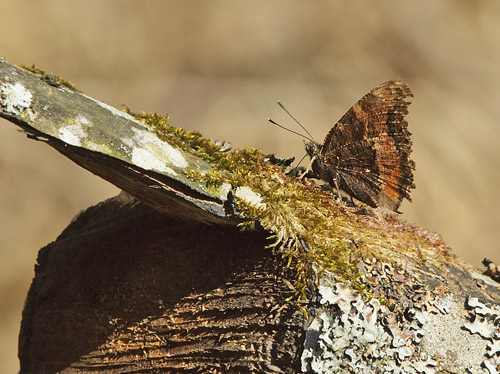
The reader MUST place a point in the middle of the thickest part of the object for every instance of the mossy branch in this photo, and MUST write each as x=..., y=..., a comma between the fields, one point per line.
x=110, y=143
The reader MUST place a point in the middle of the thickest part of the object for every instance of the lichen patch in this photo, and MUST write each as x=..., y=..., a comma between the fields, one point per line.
x=224, y=191
x=444, y=337
x=348, y=333
x=249, y=196
x=72, y=134
x=83, y=121
x=15, y=98
x=155, y=154
x=484, y=324
x=147, y=160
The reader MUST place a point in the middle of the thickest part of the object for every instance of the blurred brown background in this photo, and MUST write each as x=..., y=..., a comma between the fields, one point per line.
x=219, y=66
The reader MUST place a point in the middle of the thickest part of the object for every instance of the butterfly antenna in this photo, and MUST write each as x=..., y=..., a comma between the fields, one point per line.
x=287, y=129
x=295, y=119
x=302, y=159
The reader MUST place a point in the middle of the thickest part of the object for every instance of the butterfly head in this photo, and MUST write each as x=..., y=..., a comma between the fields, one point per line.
x=312, y=148
x=319, y=169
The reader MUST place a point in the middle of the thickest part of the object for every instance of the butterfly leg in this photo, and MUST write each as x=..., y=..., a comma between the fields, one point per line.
x=336, y=181
x=309, y=167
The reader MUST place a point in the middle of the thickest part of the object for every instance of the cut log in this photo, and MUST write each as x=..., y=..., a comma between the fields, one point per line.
x=125, y=289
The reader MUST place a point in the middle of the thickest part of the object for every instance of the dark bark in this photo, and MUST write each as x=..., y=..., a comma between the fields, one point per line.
x=127, y=290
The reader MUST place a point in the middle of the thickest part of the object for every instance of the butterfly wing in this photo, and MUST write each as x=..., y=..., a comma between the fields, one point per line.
x=368, y=149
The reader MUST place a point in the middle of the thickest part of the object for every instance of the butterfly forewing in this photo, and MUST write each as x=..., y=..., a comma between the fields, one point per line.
x=367, y=151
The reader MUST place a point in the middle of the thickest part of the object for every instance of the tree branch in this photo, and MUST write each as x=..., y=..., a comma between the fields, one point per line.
x=109, y=143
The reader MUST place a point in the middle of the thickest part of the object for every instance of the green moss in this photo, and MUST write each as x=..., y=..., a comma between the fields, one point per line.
x=51, y=79
x=307, y=225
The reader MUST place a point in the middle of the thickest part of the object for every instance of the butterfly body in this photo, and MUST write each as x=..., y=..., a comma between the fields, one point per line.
x=366, y=153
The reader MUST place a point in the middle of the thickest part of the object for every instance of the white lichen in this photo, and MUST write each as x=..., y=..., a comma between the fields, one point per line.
x=484, y=322
x=147, y=160
x=480, y=308
x=151, y=153
x=350, y=334
x=443, y=304
x=224, y=191
x=128, y=142
x=481, y=327
x=15, y=98
x=426, y=367
x=84, y=121
x=490, y=367
x=493, y=349
x=346, y=328
x=250, y=197
x=72, y=134
x=404, y=353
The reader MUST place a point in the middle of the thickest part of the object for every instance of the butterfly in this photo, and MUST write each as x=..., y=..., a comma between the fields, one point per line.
x=367, y=152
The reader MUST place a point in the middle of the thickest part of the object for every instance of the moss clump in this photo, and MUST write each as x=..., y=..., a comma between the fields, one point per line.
x=230, y=167
x=51, y=79
x=307, y=225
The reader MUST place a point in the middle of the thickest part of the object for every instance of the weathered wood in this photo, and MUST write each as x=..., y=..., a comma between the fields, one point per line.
x=111, y=144
x=127, y=290
x=424, y=317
